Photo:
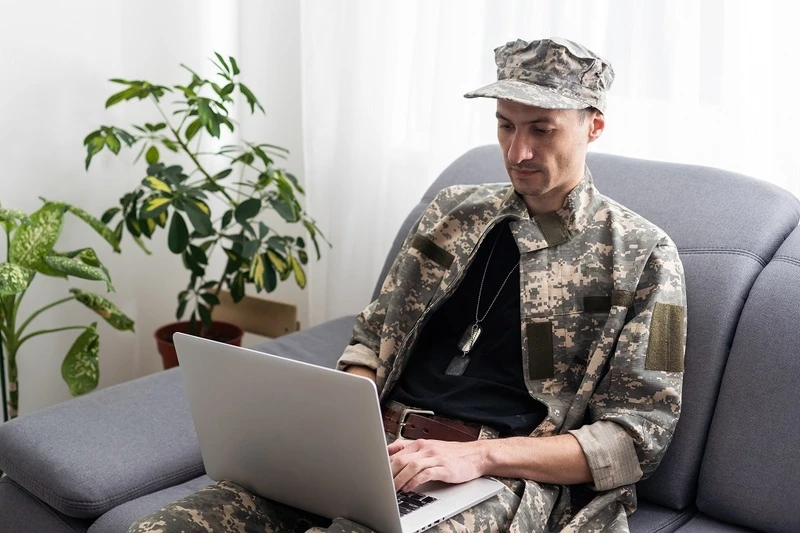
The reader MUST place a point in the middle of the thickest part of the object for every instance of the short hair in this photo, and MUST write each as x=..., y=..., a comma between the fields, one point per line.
x=586, y=112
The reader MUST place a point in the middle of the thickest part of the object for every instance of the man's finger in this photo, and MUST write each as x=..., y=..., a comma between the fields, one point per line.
x=398, y=445
x=435, y=473
x=406, y=472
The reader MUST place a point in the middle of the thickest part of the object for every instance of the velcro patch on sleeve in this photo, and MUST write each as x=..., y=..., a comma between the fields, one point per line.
x=667, y=337
x=432, y=251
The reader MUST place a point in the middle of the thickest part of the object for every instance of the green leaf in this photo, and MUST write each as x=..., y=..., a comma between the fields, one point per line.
x=247, y=209
x=181, y=309
x=234, y=66
x=205, y=315
x=285, y=210
x=151, y=156
x=226, y=218
x=262, y=230
x=251, y=99
x=80, y=369
x=237, y=287
x=14, y=278
x=303, y=256
x=224, y=174
x=97, y=225
x=210, y=298
x=193, y=128
x=221, y=60
x=293, y=179
x=31, y=243
x=198, y=254
x=113, y=143
x=178, y=237
x=277, y=244
x=199, y=219
x=127, y=94
x=109, y=214
x=77, y=269
x=105, y=308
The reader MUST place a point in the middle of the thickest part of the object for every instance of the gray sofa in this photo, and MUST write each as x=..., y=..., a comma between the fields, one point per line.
x=97, y=462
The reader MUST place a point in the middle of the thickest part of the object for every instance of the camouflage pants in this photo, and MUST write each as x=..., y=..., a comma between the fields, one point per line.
x=226, y=506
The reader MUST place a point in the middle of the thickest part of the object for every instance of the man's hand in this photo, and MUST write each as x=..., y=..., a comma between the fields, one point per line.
x=417, y=461
x=361, y=371
x=558, y=459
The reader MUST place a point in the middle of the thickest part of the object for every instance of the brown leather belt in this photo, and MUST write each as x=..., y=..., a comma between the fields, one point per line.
x=410, y=423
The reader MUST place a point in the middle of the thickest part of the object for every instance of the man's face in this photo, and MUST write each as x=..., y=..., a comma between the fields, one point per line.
x=544, y=150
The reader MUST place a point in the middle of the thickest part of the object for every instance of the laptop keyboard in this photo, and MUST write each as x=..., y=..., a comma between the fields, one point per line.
x=411, y=501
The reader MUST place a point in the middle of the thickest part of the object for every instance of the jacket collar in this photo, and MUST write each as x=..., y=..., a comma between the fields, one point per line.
x=556, y=227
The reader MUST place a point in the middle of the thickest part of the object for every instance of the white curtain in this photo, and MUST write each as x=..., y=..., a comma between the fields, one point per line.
x=707, y=82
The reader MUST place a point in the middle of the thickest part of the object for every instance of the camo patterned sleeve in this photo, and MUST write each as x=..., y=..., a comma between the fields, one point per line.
x=636, y=405
x=365, y=343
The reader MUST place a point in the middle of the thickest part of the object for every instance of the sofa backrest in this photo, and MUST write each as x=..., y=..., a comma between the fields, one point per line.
x=727, y=227
x=751, y=468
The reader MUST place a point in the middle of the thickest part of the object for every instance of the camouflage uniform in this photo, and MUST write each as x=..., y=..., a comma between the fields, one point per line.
x=603, y=330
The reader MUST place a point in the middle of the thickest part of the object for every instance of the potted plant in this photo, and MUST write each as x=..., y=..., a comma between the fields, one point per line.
x=205, y=211
x=30, y=251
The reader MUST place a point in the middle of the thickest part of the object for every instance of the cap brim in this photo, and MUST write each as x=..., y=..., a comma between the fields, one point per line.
x=528, y=94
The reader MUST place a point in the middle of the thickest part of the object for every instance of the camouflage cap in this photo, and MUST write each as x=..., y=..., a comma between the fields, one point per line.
x=549, y=73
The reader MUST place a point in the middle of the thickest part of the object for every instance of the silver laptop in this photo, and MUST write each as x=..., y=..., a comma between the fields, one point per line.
x=306, y=436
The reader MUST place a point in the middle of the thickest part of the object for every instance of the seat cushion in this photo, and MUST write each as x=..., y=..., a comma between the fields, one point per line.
x=650, y=518
x=119, y=519
x=21, y=512
x=751, y=469
x=705, y=524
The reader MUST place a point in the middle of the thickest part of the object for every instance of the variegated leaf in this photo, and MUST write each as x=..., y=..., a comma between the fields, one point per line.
x=10, y=217
x=80, y=368
x=31, y=243
x=280, y=264
x=78, y=269
x=13, y=279
x=257, y=271
x=105, y=308
x=157, y=184
x=104, y=231
x=155, y=205
x=299, y=274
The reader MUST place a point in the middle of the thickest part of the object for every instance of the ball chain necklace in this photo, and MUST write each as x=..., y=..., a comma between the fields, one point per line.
x=459, y=363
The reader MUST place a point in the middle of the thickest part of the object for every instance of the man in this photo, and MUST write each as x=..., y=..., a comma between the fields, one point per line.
x=542, y=323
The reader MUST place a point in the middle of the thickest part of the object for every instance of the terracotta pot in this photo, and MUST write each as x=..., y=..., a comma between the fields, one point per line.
x=220, y=331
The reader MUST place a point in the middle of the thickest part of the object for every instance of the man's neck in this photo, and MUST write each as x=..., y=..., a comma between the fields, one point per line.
x=550, y=201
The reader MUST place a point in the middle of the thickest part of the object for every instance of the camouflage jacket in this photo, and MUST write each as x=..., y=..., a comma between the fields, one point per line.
x=602, y=325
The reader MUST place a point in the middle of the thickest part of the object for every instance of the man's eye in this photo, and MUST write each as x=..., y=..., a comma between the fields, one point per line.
x=506, y=127
x=540, y=131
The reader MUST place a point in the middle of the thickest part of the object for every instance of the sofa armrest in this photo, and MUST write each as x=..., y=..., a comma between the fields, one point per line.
x=93, y=453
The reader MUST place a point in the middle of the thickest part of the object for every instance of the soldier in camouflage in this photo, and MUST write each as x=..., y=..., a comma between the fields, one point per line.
x=602, y=325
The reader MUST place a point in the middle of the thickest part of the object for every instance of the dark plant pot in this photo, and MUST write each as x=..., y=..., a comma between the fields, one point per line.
x=220, y=331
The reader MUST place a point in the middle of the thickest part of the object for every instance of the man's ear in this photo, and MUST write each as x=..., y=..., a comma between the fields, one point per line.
x=597, y=123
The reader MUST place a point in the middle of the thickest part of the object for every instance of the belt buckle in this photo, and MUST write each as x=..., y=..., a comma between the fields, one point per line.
x=409, y=411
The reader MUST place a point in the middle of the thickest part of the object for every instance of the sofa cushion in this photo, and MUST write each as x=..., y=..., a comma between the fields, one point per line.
x=724, y=245
x=751, y=469
x=651, y=518
x=22, y=513
x=88, y=455
x=119, y=519
x=705, y=524
x=321, y=345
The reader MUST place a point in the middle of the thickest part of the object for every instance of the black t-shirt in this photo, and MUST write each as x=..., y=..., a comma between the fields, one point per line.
x=492, y=389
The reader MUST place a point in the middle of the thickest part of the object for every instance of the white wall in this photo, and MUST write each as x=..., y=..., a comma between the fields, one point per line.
x=56, y=59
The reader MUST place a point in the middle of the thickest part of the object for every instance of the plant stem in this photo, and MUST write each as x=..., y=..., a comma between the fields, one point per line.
x=40, y=311
x=192, y=156
x=44, y=331
x=3, y=383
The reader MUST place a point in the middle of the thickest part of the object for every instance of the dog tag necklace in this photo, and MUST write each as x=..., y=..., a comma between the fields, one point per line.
x=459, y=363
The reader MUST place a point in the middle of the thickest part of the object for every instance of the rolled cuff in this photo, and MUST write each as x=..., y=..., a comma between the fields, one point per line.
x=610, y=453
x=358, y=355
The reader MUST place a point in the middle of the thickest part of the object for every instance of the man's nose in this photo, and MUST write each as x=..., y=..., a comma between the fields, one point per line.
x=520, y=149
